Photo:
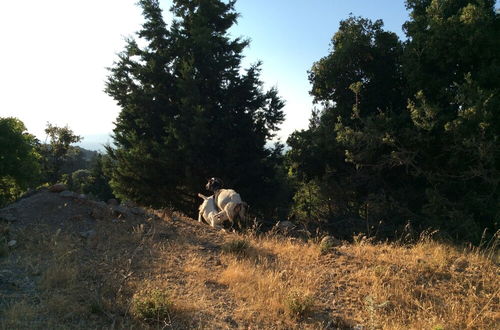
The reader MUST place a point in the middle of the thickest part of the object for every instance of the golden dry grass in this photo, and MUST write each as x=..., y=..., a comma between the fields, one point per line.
x=272, y=283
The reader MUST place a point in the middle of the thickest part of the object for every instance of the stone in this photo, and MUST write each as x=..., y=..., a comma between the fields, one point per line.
x=100, y=213
x=12, y=243
x=129, y=204
x=120, y=211
x=329, y=242
x=67, y=193
x=113, y=202
x=460, y=265
x=58, y=187
x=285, y=225
x=137, y=211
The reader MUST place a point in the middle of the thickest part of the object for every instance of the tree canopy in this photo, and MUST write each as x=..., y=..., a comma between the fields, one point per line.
x=188, y=109
x=405, y=131
x=19, y=167
x=58, y=151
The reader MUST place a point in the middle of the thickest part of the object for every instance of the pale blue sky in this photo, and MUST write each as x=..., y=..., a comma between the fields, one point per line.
x=54, y=54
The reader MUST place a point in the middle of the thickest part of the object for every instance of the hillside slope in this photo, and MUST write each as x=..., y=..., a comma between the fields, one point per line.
x=75, y=263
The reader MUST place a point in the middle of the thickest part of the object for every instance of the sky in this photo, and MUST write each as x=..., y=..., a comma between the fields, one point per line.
x=55, y=53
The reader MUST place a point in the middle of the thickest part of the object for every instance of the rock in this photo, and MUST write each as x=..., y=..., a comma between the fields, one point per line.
x=460, y=265
x=58, y=187
x=137, y=211
x=284, y=227
x=328, y=242
x=120, y=211
x=67, y=193
x=113, y=202
x=129, y=204
x=100, y=213
x=12, y=243
x=82, y=196
x=100, y=204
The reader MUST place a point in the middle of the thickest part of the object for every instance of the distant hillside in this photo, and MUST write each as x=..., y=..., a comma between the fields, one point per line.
x=69, y=262
x=95, y=142
x=87, y=155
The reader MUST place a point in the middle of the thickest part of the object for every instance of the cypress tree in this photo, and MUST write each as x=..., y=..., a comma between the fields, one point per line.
x=188, y=110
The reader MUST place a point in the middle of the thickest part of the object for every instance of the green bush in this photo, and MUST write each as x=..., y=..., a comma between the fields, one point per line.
x=298, y=305
x=151, y=305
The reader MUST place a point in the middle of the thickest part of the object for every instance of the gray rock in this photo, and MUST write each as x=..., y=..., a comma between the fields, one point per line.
x=285, y=225
x=137, y=211
x=67, y=193
x=100, y=204
x=120, y=211
x=100, y=213
x=12, y=243
x=129, y=204
x=113, y=202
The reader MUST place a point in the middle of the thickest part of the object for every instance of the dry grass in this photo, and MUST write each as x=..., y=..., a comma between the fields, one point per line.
x=181, y=274
x=268, y=282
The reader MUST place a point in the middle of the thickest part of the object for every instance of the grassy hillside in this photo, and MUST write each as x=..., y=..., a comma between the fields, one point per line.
x=73, y=267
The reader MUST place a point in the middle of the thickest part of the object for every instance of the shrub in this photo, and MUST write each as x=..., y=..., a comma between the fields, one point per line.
x=298, y=304
x=238, y=247
x=151, y=305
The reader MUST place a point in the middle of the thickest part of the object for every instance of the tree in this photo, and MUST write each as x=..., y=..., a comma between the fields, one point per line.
x=19, y=168
x=452, y=62
x=407, y=131
x=344, y=160
x=92, y=180
x=187, y=110
x=57, y=151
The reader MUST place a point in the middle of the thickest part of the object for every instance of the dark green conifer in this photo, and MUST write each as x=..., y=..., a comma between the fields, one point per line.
x=188, y=111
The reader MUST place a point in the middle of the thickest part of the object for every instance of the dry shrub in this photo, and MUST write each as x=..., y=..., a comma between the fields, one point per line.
x=237, y=247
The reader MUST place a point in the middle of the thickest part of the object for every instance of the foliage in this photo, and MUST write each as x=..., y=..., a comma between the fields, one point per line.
x=152, y=305
x=58, y=151
x=299, y=305
x=343, y=161
x=455, y=97
x=19, y=167
x=188, y=111
x=406, y=131
x=92, y=181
